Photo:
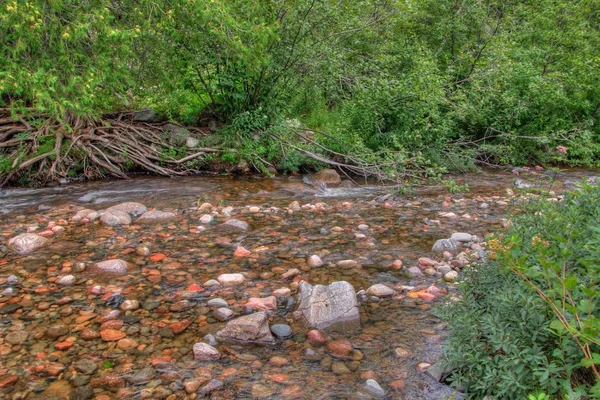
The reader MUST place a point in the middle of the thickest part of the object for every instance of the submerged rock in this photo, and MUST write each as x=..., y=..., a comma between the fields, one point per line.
x=205, y=352
x=449, y=245
x=115, y=217
x=253, y=328
x=130, y=207
x=236, y=224
x=150, y=216
x=115, y=266
x=334, y=306
x=26, y=243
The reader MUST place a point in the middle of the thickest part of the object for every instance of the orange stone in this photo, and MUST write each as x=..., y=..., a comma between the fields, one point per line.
x=157, y=257
x=112, y=335
x=64, y=345
x=180, y=326
x=241, y=252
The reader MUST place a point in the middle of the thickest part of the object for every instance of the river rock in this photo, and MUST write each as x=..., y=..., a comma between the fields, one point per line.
x=237, y=224
x=16, y=338
x=231, y=279
x=332, y=306
x=115, y=218
x=205, y=352
x=380, y=290
x=217, y=302
x=443, y=245
x=265, y=303
x=130, y=207
x=206, y=219
x=85, y=213
x=451, y=276
x=222, y=314
x=115, y=266
x=462, y=237
x=26, y=243
x=67, y=280
x=150, y=216
x=253, y=328
x=282, y=331
x=314, y=261
x=373, y=387
x=86, y=366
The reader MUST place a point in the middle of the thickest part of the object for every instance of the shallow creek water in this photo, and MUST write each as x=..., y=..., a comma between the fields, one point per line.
x=50, y=347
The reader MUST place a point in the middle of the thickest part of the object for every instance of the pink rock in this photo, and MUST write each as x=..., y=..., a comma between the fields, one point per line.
x=426, y=262
x=282, y=292
x=397, y=264
x=265, y=303
x=241, y=252
x=317, y=337
x=314, y=261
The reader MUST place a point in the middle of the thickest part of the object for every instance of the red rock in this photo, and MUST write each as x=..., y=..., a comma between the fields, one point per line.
x=316, y=337
x=340, y=348
x=112, y=335
x=426, y=296
x=241, y=252
x=180, y=326
x=8, y=381
x=54, y=369
x=112, y=324
x=397, y=264
x=64, y=345
x=156, y=257
x=194, y=288
x=279, y=361
x=426, y=262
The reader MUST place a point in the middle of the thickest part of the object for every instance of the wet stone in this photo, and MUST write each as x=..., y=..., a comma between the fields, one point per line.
x=380, y=290
x=205, y=352
x=26, y=243
x=373, y=387
x=16, y=338
x=237, y=224
x=449, y=245
x=113, y=266
x=210, y=387
x=223, y=314
x=132, y=208
x=86, y=366
x=332, y=306
x=10, y=308
x=115, y=218
x=142, y=377
x=282, y=331
x=231, y=279
x=253, y=328
x=151, y=216
x=217, y=302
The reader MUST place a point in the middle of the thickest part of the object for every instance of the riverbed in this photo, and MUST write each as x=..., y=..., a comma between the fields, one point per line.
x=56, y=308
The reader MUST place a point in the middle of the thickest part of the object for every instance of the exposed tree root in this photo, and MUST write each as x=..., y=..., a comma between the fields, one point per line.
x=40, y=150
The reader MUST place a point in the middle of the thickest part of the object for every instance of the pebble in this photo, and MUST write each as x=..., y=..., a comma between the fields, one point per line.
x=217, y=302
x=231, y=279
x=340, y=348
x=282, y=331
x=205, y=352
x=373, y=387
x=314, y=261
x=222, y=314
x=347, y=263
x=16, y=338
x=67, y=280
x=451, y=276
x=380, y=290
x=206, y=219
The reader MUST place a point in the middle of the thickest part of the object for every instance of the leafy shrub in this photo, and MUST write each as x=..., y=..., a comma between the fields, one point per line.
x=529, y=321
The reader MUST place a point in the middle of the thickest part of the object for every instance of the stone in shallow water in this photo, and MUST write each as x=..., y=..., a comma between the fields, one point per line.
x=443, y=245
x=282, y=331
x=217, y=302
x=236, y=224
x=115, y=218
x=380, y=290
x=314, y=261
x=205, y=352
x=115, y=266
x=26, y=243
x=132, y=208
x=150, y=216
x=253, y=328
x=266, y=303
x=373, y=387
x=334, y=306
x=16, y=338
x=231, y=279
x=223, y=314
x=462, y=237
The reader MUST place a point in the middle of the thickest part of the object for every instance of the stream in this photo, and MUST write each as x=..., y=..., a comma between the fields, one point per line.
x=69, y=330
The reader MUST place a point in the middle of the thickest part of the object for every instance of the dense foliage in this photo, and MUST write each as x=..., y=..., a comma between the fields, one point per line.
x=430, y=84
x=530, y=320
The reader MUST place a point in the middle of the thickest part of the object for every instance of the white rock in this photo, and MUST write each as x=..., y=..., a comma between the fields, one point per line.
x=67, y=280
x=26, y=243
x=206, y=219
x=314, y=261
x=231, y=279
x=380, y=290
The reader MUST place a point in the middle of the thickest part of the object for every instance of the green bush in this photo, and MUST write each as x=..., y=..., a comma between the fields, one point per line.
x=529, y=321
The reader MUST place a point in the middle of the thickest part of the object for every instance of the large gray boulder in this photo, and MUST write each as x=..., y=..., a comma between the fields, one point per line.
x=26, y=243
x=333, y=307
x=252, y=328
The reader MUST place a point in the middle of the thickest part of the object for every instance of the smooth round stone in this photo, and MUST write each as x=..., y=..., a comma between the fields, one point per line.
x=363, y=227
x=282, y=292
x=217, y=302
x=314, y=261
x=373, y=387
x=113, y=266
x=211, y=283
x=130, y=305
x=231, y=279
x=347, y=263
x=461, y=236
x=16, y=338
x=451, y=276
x=206, y=219
x=223, y=314
x=380, y=290
x=67, y=280
x=282, y=331
x=26, y=243
x=444, y=269
x=205, y=352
